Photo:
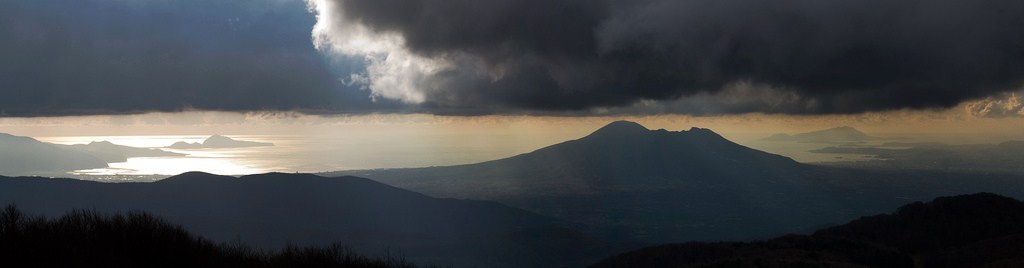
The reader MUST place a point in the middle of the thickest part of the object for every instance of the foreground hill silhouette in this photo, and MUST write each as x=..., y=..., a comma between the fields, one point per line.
x=668, y=186
x=91, y=239
x=271, y=210
x=978, y=230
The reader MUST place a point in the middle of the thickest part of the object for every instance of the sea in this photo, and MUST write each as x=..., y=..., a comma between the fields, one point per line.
x=297, y=153
x=324, y=153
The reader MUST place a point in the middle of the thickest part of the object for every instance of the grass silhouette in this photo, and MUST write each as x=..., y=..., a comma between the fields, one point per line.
x=86, y=238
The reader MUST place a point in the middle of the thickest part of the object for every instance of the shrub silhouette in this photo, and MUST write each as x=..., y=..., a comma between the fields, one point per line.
x=976, y=230
x=86, y=238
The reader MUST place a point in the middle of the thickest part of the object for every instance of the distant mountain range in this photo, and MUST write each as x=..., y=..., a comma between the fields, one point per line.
x=218, y=141
x=271, y=210
x=24, y=155
x=832, y=135
x=977, y=230
x=664, y=186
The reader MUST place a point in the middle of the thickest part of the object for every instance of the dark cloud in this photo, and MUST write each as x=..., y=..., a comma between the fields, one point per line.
x=833, y=56
x=67, y=57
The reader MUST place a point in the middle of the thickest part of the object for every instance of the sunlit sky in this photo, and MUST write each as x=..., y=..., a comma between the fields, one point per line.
x=949, y=125
x=312, y=143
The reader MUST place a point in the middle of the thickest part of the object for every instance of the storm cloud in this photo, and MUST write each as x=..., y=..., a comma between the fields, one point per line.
x=566, y=57
x=71, y=57
x=806, y=56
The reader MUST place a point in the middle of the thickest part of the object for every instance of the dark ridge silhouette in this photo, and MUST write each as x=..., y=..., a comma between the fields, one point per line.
x=977, y=230
x=832, y=135
x=218, y=141
x=663, y=186
x=196, y=178
x=87, y=238
x=786, y=251
x=946, y=222
x=275, y=209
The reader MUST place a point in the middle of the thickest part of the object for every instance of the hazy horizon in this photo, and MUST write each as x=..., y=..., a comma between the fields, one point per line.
x=338, y=145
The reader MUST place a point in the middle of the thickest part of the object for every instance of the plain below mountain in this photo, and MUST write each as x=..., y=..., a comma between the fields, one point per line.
x=113, y=153
x=978, y=230
x=669, y=186
x=272, y=210
x=218, y=141
x=842, y=134
x=1005, y=157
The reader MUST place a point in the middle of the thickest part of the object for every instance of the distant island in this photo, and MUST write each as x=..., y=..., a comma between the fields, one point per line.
x=113, y=153
x=218, y=141
x=25, y=155
x=837, y=134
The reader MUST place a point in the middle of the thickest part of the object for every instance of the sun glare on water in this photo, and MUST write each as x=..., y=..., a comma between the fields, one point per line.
x=171, y=166
x=216, y=161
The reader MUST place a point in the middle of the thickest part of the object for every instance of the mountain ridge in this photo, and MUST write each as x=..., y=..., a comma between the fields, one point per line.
x=273, y=209
x=975, y=230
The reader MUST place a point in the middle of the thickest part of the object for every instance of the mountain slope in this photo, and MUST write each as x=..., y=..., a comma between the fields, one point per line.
x=664, y=186
x=619, y=154
x=943, y=223
x=976, y=230
x=271, y=210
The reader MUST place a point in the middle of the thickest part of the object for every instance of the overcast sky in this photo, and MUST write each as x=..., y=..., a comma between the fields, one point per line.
x=471, y=57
